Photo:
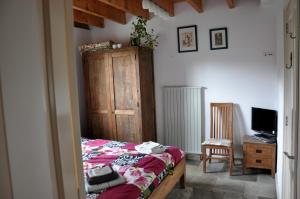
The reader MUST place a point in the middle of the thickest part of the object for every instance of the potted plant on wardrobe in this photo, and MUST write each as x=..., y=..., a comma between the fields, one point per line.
x=140, y=36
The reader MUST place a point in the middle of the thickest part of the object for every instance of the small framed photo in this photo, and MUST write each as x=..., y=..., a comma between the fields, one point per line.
x=187, y=39
x=218, y=38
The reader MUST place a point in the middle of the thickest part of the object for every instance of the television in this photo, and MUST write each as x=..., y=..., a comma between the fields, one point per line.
x=264, y=121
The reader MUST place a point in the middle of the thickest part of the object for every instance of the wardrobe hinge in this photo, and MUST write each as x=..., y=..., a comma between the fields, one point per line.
x=286, y=121
x=286, y=28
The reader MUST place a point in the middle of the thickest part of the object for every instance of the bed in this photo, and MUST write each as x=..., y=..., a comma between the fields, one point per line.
x=147, y=176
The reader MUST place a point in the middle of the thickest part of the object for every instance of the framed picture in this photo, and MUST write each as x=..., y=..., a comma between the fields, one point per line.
x=187, y=39
x=218, y=38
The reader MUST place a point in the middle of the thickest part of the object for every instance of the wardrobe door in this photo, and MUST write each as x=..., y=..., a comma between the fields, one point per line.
x=124, y=96
x=98, y=105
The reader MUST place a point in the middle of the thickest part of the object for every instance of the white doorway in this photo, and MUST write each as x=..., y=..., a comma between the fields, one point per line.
x=291, y=108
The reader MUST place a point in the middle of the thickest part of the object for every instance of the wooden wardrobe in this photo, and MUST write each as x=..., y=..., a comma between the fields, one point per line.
x=119, y=87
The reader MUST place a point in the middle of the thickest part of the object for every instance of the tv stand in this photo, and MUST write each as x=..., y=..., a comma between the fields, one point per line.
x=265, y=138
x=259, y=154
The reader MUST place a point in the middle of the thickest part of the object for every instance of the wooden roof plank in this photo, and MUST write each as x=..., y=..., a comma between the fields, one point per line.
x=99, y=9
x=196, y=4
x=167, y=5
x=134, y=7
x=178, y=1
x=84, y=18
x=231, y=3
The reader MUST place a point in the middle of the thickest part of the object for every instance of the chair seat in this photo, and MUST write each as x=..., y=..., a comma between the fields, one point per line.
x=217, y=142
x=220, y=156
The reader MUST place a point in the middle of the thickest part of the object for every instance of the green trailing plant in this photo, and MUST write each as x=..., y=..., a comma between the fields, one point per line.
x=139, y=35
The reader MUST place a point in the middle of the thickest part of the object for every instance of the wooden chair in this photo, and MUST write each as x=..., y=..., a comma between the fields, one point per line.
x=220, y=144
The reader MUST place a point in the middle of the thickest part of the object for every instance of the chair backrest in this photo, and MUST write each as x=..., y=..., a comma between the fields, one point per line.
x=221, y=121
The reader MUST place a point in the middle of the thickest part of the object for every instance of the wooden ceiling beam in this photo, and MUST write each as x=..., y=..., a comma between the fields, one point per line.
x=167, y=5
x=133, y=7
x=99, y=9
x=178, y=1
x=231, y=3
x=196, y=4
x=84, y=18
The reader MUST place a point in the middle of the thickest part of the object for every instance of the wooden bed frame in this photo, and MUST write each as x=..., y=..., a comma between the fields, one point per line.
x=170, y=181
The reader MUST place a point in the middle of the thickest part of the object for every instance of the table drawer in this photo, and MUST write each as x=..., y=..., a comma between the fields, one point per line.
x=257, y=162
x=259, y=150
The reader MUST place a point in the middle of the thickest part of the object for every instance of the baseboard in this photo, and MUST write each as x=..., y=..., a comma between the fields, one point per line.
x=277, y=187
x=193, y=156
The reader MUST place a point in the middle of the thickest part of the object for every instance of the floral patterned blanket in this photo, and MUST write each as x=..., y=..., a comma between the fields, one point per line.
x=143, y=173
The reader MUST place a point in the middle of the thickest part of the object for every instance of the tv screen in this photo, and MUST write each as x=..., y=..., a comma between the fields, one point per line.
x=264, y=120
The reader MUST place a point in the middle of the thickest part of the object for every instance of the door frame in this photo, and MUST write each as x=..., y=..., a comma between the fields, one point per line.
x=296, y=98
x=62, y=97
x=61, y=72
x=5, y=180
x=297, y=150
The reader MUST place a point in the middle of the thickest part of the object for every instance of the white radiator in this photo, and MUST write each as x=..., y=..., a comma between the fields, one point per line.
x=182, y=118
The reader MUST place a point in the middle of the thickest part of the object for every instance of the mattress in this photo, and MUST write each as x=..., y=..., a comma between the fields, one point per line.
x=143, y=173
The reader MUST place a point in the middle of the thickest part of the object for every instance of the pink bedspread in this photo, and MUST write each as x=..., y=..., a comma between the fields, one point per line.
x=142, y=172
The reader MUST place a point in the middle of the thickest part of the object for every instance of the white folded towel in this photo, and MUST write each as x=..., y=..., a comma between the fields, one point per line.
x=150, y=147
x=96, y=172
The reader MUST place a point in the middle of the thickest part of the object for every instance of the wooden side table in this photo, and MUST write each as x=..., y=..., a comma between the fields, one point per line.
x=258, y=154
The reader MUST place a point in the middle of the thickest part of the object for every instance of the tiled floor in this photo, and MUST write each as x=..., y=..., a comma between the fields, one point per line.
x=219, y=185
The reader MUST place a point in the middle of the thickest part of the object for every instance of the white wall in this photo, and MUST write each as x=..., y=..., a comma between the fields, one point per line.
x=241, y=74
x=81, y=36
x=25, y=107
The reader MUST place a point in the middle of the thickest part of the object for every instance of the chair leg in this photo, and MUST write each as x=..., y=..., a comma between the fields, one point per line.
x=209, y=160
x=244, y=169
x=233, y=164
x=204, y=158
x=230, y=161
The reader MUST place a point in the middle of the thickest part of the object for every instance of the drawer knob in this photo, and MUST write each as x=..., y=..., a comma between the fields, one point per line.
x=258, y=161
x=258, y=151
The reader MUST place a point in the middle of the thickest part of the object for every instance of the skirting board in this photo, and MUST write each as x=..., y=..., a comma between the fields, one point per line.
x=192, y=156
x=277, y=187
